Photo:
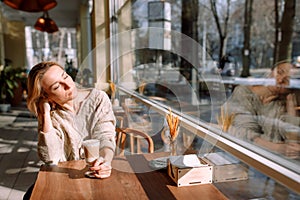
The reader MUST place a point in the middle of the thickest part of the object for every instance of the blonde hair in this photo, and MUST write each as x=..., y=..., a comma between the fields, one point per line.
x=35, y=90
x=287, y=61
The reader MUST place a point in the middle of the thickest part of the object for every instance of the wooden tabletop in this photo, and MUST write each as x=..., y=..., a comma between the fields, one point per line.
x=131, y=178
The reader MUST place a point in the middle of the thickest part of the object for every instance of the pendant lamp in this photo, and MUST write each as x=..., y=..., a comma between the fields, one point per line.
x=45, y=24
x=31, y=5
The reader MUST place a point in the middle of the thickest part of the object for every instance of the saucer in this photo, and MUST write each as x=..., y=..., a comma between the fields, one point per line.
x=159, y=163
x=90, y=174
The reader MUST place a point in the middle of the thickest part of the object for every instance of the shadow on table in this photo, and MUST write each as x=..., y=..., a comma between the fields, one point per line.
x=155, y=185
x=72, y=173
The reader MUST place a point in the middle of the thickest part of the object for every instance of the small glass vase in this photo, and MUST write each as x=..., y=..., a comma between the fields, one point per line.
x=173, y=147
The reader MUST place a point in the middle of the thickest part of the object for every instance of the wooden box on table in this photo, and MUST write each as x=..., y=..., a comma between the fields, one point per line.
x=187, y=174
x=226, y=167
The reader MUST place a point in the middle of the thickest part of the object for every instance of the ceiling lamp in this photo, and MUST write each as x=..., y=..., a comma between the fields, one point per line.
x=31, y=5
x=45, y=24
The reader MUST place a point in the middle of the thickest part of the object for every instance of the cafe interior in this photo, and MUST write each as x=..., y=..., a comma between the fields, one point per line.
x=159, y=63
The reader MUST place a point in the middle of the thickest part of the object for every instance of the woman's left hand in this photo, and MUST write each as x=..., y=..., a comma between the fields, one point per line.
x=102, y=168
x=291, y=103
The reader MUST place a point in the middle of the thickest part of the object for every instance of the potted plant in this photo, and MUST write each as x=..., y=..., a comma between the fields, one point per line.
x=10, y=79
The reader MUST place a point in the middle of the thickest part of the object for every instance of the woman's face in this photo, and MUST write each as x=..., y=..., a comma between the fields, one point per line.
x=282, y=74
x=58, y=85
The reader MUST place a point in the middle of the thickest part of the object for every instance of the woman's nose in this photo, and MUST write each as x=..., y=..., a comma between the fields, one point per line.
x=283, y=80
x=279, y=80
x=66, y=85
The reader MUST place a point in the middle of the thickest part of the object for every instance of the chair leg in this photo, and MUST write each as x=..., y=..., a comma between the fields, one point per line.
x=131, y=143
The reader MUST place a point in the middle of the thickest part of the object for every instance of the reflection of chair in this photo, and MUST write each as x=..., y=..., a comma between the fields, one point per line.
x=137, y=139
x=119, y=121
x=135, y=117
x=157, y=98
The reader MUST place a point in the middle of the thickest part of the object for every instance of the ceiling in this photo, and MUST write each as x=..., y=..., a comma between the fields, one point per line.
x=65, y=13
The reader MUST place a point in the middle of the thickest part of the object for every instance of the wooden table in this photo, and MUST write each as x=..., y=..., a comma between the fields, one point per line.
x=131, y=178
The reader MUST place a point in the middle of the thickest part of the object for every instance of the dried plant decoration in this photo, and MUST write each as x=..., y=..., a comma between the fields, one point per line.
x=142, y=87
x=225, y=120
x=173, y=122
x=112, y=89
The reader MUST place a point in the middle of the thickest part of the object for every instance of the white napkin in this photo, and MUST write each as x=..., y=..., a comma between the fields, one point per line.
x=185, y=161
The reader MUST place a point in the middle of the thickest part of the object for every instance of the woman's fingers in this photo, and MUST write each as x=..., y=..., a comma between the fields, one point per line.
x=102, y=169
x=102, y=174
x=99, y=161
x=292, y=150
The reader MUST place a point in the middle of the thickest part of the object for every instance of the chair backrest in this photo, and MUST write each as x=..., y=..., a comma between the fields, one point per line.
x=157, y=98
x=135, y=118
x=137, y=140
x=119, y=121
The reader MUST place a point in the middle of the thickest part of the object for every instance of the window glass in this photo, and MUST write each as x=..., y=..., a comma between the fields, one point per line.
x=199, y=60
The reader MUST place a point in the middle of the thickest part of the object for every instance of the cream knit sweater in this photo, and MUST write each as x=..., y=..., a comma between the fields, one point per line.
x=95, y=119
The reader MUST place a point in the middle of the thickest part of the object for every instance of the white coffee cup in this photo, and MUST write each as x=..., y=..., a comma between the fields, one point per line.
x=91, y=150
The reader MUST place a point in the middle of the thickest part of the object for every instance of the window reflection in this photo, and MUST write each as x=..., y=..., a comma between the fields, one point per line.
x=208, y=90
x=266, y=115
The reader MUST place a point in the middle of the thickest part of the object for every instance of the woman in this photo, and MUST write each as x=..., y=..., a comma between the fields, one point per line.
x=68, y=115
x=258, y=112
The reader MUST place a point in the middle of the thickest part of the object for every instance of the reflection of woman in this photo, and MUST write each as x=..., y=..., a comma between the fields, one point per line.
x=68, y=115
x=257, y=110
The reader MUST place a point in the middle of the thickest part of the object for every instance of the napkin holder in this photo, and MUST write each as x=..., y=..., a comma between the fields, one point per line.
x=191, y=173
x=226, y=167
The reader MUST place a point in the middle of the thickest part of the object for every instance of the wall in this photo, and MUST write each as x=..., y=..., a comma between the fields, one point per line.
x=14, y=42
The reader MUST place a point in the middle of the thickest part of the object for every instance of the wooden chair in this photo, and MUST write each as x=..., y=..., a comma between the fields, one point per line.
x=157, y=98
x=135, y=119
x=119, y=121
x=136, y=140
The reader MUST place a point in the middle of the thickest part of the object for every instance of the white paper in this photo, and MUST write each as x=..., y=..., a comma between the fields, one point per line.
x=221, y=158
x=184, y=161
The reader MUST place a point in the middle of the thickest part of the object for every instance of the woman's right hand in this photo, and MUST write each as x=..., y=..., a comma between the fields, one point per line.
x=44, y=116
x=290, y=149
x=44, y=106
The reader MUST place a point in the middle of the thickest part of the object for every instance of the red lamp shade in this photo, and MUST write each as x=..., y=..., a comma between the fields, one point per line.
x=40, y=24
x=31, y=5
x=45, y=24
x=51, y=26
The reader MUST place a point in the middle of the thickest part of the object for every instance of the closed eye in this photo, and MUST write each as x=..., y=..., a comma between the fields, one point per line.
x=56, y=87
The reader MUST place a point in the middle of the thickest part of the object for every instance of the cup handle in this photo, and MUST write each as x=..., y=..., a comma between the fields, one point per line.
x=81, y=153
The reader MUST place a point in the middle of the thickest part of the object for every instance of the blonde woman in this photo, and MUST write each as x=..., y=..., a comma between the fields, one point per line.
x=258, y=111
x=68, y=115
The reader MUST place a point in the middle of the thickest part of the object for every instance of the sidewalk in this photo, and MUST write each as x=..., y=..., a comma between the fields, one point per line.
x=19, y=163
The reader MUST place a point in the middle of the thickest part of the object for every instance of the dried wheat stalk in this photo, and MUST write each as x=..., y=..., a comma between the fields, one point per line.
x=225, y=120
x=142, y=87
x=113, y=89
x=173, y=122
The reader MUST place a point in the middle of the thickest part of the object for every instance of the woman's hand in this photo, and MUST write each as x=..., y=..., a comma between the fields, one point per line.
x=291, y=104
x=102, y=168
x=290, y=150
x=44, y=106
x=44, y=115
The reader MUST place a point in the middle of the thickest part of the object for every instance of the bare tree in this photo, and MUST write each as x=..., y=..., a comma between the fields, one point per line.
x=221, y=30
x=247, y=38
x=189, y=18
x=285, y=33
x=277, y=31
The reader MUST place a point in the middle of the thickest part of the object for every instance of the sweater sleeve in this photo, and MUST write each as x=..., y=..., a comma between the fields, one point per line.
x=245, y=123
x=104, y=122
x=50, y=147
